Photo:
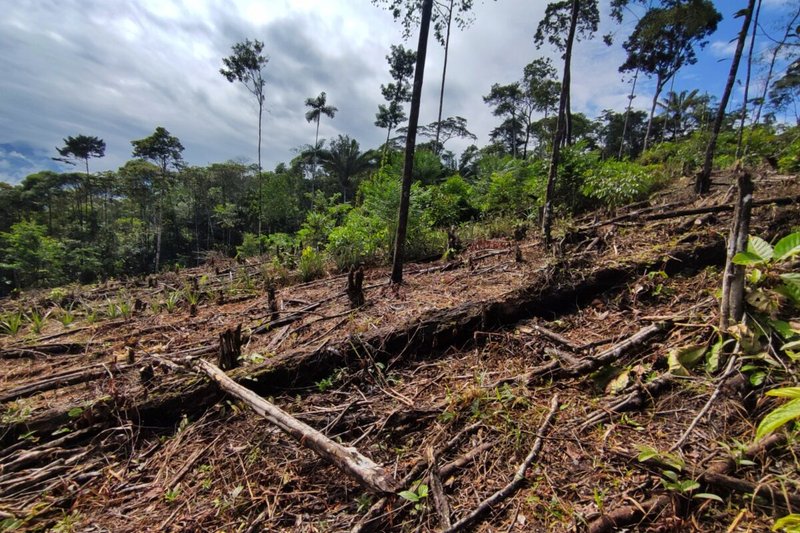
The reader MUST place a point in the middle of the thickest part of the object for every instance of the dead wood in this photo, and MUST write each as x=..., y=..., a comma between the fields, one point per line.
x=716, y=474
x=782, y=200
x=634, y=400
x=63, y=379
x=553, y=336
x=450, y=468
x=230, y=348
x=355, y=287
x=519, y=477
x=732, y=303
x=590, y=364
x=435, y=484
x=348, y=460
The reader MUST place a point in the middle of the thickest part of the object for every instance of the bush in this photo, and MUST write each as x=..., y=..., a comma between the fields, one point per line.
x=360, y=240
x=615, y=183
x=311, y=264
x=451, y=203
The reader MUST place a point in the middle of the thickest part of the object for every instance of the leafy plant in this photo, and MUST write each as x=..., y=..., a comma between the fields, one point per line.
x=311, y=264
x=37, y=320
x=781, y=415
x=68, y=523
x=789, y=523
x=11, y=323
x=615, y=183
x=171, y=495
x=66, y=317
x=417, y=494
x=172, y=301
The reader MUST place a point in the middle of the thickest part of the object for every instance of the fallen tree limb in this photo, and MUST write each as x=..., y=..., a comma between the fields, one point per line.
x=632, y=401
x=62, y=380
x=348, y=460
x=519, y=477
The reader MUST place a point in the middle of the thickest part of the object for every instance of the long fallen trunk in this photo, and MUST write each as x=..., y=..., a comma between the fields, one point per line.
x=348, y=460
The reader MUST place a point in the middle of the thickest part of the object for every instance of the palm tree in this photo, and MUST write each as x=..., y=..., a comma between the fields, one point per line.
x=318, y=108
x=677, y=108
x=344, y=160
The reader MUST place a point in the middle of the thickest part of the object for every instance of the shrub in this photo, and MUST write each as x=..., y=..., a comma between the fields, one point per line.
x=361, y=240
x=311, y=264
x=615, y=183
x=451, y=202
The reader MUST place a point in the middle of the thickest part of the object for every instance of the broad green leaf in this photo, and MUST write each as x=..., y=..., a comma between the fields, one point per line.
x=778, y=417
x=757, y=378
x=646, y=453
x=712, y=361
x=783, y=328
x=789, y=523
x=680, y=360
x=408, y=495
x=759, y=247
x=708, y=496
x=688, y=485
x=791, y=286
x=75, y=412
x=785, y=392
x=754, y=276
x=746, y=258
x=788, y=246
x=422, y=491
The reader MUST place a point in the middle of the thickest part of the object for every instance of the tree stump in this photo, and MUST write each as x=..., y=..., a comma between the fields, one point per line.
x=732, y=304
x=355, y=287
x=230, y=348
x=454, y=245
x=520, y=230
x=272, y=302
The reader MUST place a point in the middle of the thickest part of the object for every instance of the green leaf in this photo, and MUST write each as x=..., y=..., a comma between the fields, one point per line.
x=790, y=523
x=785, y=392
x=757, y=378
x=708, y=496
x=783, y=328
x=618, y=384
x=788, y=246
x=408, y=495
x=680, y=360
x=688, y=485
x=422, y=491
x=778, y=417
x=75, y=412
x=712, y=360
x=759, y=247
x=791, y=286
x=747, y=259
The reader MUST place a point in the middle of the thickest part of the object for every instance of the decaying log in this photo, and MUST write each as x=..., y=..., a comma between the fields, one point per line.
x=230, y=348
x=630, y=515
x=519, y=477
x=355, y=287
x=63, y=379
x=348, y=460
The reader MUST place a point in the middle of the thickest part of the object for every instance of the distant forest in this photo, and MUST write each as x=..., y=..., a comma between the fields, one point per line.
x=335, y=204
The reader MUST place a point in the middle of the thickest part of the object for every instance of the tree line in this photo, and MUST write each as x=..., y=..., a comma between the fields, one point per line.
x=543, y=159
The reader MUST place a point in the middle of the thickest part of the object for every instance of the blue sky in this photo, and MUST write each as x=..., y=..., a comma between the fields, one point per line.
x=117, y=70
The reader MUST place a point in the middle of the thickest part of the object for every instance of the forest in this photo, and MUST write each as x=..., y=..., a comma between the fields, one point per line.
x=588, y=324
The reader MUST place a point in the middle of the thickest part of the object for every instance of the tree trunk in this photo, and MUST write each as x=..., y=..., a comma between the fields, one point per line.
x=789, y=29
x=659, y=87
x=627, y=114
x=260, y=181
x=747, y=82
x=702, y=183
x=413, y=120
x=444, y=74
x=547, y=213
x=732, y=304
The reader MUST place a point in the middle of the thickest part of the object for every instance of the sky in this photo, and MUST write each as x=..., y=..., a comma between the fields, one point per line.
x=117, y=69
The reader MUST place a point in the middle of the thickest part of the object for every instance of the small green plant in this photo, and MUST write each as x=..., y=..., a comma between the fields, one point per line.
x=789, y=523
x=125, y=308
x=417, y=494
x=112, y=311
x=781, y=415
x=66, y=317
x=68, y=524
x=173, y=299
x=311, y=264
x=37, y=320
x=363, y=503
x=171, y=495
x=671, y=479
x=324, y=384
x=11, y=323
x=90, y=314
x=155, y=307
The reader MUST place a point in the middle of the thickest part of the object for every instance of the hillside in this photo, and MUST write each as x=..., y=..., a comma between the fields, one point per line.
x=449, y=380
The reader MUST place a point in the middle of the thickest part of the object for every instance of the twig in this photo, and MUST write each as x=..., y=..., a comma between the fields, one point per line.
x=519, y=476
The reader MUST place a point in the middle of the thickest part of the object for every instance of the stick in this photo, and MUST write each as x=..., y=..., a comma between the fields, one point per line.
x=439, y=499
x=348, y=460
x=519, y=477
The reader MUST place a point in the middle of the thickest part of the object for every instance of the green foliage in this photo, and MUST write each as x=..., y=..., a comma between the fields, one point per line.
x=360, y=240
x=781, y=415
x=789, y=523
x=11, y=323
x=451, y=202
x=30, y=256
x=311, y=264
x=615, y=183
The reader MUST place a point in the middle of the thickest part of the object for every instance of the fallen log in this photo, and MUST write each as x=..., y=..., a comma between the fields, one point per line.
x=62, y=380
x=348, y=460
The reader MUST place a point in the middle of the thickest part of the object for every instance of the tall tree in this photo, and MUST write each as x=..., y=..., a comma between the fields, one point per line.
x=246, y=65
x=405, y=11
x=678, y=109
x=664, y=39
x=791, y=32
x=81, y=148
x=401, y=68
x=561, y=22
x=540, y=93
x=166, y=151
x=702, y=182
x=318, y=107
x=507, y=100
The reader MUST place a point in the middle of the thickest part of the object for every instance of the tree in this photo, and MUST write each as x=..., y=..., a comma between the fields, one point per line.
x=663, y=41
x=246, y=65
x=776, y=50
x=507, y=100
x=81, y=147
x=318, y=108
x=401, y=68
x=408, y=167
x=702, y=182
x=540, y=93
x=442, y=131
x=444, y=12
x=344, y=160
x=165, y=151
x=678, y=109
x=561, y=22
